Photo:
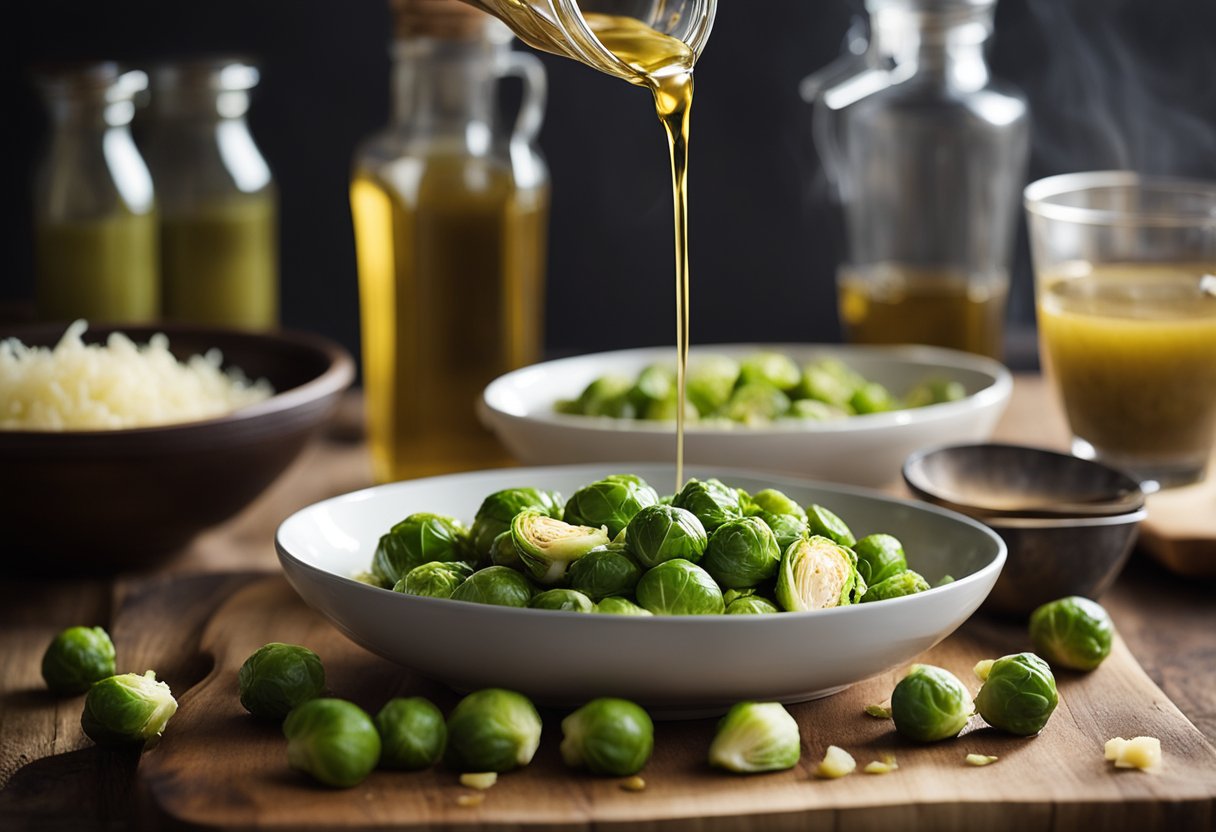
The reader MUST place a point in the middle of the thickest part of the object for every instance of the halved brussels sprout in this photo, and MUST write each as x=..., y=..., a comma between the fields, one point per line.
x=492, y=730
x=930, y=704
x=742, y=553
x=658, y=533
x=872, y=397
x=76, y=658
x=605, y=571
x=547, y=546
x=825, y=523
x=1072, y=632
x=333, y=740
x=751, y=605
x=561, y=599
x=434, y=580
x=129, y=709
x=277, y=677
x=786, y=528
x=680, y=587
x=773, y=368
x=503, y=552
x=608, y=736
x=817, y=573
x=499, y=509
x=711, y=378
x=879, y=556
x=772, y=501
x=1019, y=694
x=711, y=501
x=614, y=605
x=756, y=736
x=756, y=403
x=412, y=734
x=611, y=502
x=497, y=585
x=418, y=539
x=896, y=586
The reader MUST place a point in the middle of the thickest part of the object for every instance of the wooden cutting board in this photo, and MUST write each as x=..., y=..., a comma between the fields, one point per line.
x=219, y=768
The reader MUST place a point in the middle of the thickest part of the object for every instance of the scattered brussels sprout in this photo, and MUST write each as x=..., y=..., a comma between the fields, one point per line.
x=497, y=585
x=604, y=572
x=418, y=539
x=610, y=502
x=496, y=512
x=438, y=579
x=658, y=533
x=824, y=523
x=76, y=658
x=930, y=704
x=772, y=368
x=879, y=556
x=897, y=586
x=1019, y=694
x=786, y=528
x=503, y=552
x=1072, y=632
x=816, y=573
x=711, y=378
x=333, y=740
x=608, y=736
x=742, y=553
x=679, y=587
x=756, y=736
x=277, y=677
x=562, y=599
x=756, y=403
x=614, y=605
x=751, y=605
x=711, y=501
x=412, y=734
x=772, y=501
x=492, y=730
x=547, y=547
x=127, y=710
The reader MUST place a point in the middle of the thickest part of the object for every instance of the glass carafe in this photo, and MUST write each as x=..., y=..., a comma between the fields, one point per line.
x=94, y=211
x=929, y=157
x=451, y=215
x=218, y=204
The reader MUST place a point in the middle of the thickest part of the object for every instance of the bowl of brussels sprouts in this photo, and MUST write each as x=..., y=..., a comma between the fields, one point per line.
x=569, y=583
x=840, y=413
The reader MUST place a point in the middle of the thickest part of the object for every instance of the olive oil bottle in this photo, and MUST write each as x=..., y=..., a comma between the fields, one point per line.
x=450, y=217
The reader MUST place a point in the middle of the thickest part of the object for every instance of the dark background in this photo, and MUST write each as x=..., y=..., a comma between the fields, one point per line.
x=1111, y=83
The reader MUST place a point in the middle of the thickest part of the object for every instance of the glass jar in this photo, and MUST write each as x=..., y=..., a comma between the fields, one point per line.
x=929, y=157
x=95, y=246
x=450, y=213
x=218, y=203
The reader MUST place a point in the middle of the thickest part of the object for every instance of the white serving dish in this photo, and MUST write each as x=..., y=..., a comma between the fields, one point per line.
x=861, y=450
x=679, y=666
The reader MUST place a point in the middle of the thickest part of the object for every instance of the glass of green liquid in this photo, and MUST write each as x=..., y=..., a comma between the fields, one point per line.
x=1125, y=276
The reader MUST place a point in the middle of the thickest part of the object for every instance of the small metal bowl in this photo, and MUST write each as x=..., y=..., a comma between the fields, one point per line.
x=1070, y=524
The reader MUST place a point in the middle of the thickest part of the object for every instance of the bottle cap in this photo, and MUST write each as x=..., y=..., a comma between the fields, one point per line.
x=448, y=19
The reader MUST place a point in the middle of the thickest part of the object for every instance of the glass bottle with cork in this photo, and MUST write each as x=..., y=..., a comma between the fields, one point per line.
x=450, y=211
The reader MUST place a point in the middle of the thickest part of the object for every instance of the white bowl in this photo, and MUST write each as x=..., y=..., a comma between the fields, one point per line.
x=861, y=450
x=682, y=666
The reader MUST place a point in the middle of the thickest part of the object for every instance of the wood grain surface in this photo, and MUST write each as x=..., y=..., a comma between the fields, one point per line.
x=218, y=767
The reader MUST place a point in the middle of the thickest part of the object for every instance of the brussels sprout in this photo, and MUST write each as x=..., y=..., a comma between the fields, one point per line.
x=1072, y=632
x=680, y=587
x=665, y=410
x=437, y=579
x=496, y=512
x=896, y=586
x=756, y=736
x=659, y=533
x=751, y=605
x=757, y=403
x=277, y=677
x=127, y=710
x=824, y=523
x=611, y=502
x=712, y=502
x=742, y=553
x=601, y=395
x=561, y=599
x=813, y=410
x=608, y=736
x=772, y=368
x=711, y=379
x=930, y=704
x=786, y=528
x=729, y=596
x=412, y=734
x=418, y=539
x=503, y=552
x=773, y=502
x=605, y=571
x=492, y=730
x=934, y=391
x=879, y=556
x=614, y=605
x=816, y=573
x=333, y=740
x=1019, y=694
x=656, y=383
x=829, y=381
x=76, y=658
x=497, y=585
x=547, y=546
x=872, y=397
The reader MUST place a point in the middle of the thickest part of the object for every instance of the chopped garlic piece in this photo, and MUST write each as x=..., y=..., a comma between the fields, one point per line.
x=1113, y=747
x=879, y=711
x=982, y=669
x=633, y=784
x=470, y=800
x=836, y=763
x=1139, y=752
x=479, y=780
x=981, y=759
x=884, y=766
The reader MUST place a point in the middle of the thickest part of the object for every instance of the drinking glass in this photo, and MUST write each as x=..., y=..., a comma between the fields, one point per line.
x=1125, y=277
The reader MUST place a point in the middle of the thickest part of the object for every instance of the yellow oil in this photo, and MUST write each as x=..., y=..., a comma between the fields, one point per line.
x=451, y=259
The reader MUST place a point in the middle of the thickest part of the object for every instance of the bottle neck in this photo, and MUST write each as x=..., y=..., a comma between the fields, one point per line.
x=444, y=87
x=945, y=47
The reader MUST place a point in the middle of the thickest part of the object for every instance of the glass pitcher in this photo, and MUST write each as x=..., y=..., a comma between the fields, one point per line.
x=929, y=157
x=95, y=232
x=450, y=210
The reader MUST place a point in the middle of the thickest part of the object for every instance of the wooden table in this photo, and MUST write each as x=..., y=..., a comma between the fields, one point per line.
x=53, y=778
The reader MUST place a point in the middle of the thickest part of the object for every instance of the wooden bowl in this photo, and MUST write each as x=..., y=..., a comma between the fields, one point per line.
x=107, y=500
